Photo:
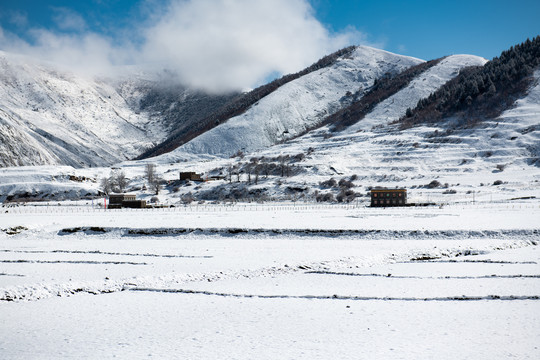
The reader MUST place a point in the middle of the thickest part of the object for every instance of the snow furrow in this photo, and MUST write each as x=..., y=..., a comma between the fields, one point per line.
x=343, y=297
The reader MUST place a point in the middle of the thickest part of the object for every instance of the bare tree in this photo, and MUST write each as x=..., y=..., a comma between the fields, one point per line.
x=155, y=186
x=281, y=159
x=154, y=180
x=120, y=181
x=150, y=173
x=230, y=171
x=257, y=171
x=106, y=185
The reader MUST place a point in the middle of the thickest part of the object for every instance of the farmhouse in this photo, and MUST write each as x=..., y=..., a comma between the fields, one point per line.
x=193, y=176
x=388, y=197
x=118, y=201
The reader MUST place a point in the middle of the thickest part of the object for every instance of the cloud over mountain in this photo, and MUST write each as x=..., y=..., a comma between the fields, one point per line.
x=215, y=45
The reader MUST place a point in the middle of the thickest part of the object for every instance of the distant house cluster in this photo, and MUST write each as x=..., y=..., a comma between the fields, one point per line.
x=388, y=197
x=191, y=175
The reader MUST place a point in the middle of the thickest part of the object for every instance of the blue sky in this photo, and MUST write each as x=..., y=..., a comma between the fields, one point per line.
x=430, y=29
x=424, y=29
x=247, y=40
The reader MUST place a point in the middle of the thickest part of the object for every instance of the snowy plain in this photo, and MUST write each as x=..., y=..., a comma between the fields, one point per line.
x=271, y=281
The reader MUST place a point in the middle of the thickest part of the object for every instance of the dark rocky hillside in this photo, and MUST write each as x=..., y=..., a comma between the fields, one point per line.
x=183, y=111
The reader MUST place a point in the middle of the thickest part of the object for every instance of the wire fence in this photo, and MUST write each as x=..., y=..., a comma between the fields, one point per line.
x=63, y=208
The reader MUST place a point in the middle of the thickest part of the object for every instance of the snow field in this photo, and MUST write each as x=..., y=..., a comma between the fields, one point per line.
x=139, y=325
x=262, y=282
x=299, y=314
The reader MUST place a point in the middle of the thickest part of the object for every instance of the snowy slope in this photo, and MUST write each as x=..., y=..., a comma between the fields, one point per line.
x=505, y=149
x=51, y=182
x=53, y=117
x=296, y=106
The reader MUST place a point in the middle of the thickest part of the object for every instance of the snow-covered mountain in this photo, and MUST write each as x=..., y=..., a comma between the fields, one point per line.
x=496, y=161
x=291, y=150
x=304, y=103
x=49, y=116
x=53, y=117
x=297, y=106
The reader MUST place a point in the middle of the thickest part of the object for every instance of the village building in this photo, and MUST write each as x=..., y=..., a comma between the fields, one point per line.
x=388, y=197
x=118, y=201
x=190, y=175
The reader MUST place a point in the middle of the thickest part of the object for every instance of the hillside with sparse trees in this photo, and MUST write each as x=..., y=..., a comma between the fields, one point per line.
x=481, y=92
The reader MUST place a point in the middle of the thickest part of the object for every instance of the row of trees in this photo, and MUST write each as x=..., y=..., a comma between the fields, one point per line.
x=252, y=170
x=117, y=182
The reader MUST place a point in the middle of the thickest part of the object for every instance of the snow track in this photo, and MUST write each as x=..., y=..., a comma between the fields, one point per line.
x=340, y=297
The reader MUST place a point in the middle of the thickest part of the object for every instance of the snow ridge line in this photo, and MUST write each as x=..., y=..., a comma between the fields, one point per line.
x=468, y=234
x=342, y=297
x=390, y=276
x=90, y=262
x=98, y=252
x=15, y=275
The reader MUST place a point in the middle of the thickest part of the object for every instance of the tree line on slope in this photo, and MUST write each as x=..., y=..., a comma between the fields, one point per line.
x=238, y=105
x=480, y=92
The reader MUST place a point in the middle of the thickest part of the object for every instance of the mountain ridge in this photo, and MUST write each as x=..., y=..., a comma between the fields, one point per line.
x=497, y=158
x=51, y=117
x=297, y=105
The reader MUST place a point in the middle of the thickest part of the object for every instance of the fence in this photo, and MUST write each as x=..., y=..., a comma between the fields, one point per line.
x=38, y=208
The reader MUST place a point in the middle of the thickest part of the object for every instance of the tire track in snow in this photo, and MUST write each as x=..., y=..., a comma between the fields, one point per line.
x=98, y=252
x=341, y=297
x=90, y=262
x=390, y=276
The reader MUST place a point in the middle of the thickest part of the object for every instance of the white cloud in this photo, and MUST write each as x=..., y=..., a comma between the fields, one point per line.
x=85, y=53
x=224, y=44
x=18, y=18
x=216, y=45
x=68, y=20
